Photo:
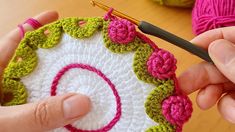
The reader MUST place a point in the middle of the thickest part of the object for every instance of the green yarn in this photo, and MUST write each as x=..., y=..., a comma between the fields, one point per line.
x=177, y=3
x=155, y=98
x=14, y=88
x=140, y=65
x=164, y=88
x=161, y=128
x=71, y=26
x=46, y=37
x=23, y=62
x=119, y=48
x=153, y=105
x=25, y=59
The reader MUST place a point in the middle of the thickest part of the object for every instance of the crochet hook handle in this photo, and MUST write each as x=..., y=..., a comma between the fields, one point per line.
x=182, y=43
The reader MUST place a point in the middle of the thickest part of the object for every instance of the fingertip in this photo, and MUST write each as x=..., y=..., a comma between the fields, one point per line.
x=185, y=82
x=200, y=98
x=203, y=40
x=199, y=76
x=216, y=48
x=11, y=40
x=194, y=78
x=53, y=14
x=47, y=17
x=76, y=106
x=222, y=52
x=208, y=96
x=47, y=114
x=196, y=40
x=226, y=107
x=86, y=103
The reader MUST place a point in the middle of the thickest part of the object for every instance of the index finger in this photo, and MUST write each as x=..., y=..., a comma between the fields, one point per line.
x=10, y=41
x=203, y=40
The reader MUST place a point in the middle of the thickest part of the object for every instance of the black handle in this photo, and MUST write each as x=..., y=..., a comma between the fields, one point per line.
x=182, y=43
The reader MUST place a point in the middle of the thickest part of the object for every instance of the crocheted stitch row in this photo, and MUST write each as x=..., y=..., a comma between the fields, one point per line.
x=165, y=104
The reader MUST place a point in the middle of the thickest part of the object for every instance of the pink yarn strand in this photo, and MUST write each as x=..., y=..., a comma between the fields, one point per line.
x=109, y=16
x=147, y=40
x=108, y=81
x=176, y=84
x=21, y=31
x=34, y=23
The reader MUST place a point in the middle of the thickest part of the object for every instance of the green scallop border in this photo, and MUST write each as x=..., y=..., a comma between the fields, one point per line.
x=25, y=60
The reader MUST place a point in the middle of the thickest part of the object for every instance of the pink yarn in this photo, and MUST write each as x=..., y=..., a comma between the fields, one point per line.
x=145, y=39
x=117, y=116
x=121, y=31
x=32, y=22
x=109, y=16
x=161, y=64
x=21, y=30
x=177, y=109
x=211, y=14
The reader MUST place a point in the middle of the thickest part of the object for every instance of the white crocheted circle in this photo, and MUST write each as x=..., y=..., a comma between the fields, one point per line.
x=116, y=67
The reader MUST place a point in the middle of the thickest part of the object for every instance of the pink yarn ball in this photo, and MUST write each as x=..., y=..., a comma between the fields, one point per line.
x=211, y=14
x=161, y=64
x=121, y=31
x=177, y=109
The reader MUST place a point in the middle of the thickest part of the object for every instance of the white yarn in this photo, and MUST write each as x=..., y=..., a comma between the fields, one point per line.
x=117, y=67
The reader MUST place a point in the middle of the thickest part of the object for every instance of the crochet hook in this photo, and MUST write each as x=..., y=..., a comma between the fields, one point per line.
x=153, y=30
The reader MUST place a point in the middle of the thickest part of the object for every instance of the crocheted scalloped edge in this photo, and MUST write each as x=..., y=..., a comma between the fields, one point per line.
x=25, y=60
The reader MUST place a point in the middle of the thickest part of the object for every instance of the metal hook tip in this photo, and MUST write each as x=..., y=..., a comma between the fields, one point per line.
x=92, y=2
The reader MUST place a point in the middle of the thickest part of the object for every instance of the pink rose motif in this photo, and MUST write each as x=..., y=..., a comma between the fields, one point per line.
x=177, y=109
x=121, y=31
x=161, y=64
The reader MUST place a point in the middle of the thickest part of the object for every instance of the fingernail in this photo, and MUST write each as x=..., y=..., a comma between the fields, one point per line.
x=76, y=106
x=222, y=52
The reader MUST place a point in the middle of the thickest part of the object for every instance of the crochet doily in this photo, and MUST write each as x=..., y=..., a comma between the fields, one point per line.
x=130, y=81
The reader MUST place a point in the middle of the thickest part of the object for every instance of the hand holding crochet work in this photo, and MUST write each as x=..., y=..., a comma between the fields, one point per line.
x=45, y=115
x=215, y=83
x=130, y=81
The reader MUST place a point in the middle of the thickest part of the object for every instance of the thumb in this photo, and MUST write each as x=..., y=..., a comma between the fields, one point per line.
x=56, y=111
x=222, y=52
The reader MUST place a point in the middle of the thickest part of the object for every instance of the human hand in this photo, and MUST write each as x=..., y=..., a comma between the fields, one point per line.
x=45, y=115
x=214, y=82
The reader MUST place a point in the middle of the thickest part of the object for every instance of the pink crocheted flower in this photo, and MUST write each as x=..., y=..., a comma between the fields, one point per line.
x=121, y=31
x=161, y=64
x=177, y=109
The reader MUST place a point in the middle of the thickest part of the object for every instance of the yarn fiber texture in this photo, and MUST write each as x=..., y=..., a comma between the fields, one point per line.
x=130, y=80
x=121, y=31
x=211, y=14
x=177, y=109
x=161, y=64
x=177, y=3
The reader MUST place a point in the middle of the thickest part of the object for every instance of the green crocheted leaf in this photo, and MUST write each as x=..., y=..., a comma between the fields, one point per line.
x=153, y=102
x=14, y=92
x=23, y=62
x=161, y=128
x=119, y=48
x=46, y=37
x=140, y=65
x=72, y=27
